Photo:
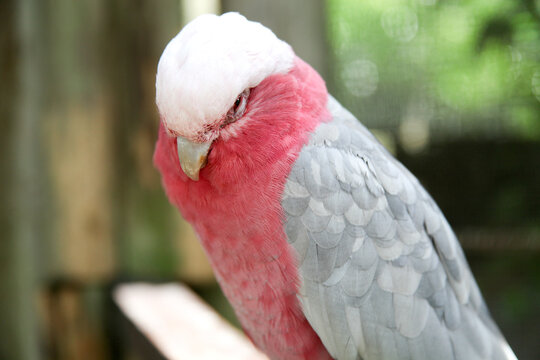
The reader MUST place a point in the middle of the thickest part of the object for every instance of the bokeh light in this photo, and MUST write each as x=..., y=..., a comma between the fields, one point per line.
x=400, y=23
x=361, y=77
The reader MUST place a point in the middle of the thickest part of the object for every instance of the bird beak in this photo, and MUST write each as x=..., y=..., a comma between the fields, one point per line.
x=192, y=156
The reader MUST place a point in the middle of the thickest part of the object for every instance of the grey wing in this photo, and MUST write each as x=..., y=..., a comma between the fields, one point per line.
x=382, y=274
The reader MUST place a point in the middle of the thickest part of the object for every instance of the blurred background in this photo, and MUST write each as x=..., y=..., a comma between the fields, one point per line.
x=451, y=87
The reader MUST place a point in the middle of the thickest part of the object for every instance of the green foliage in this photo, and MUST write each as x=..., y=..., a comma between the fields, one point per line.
x=465, y=67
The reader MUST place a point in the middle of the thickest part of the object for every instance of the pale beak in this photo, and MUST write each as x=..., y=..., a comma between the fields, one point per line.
x=192, y=156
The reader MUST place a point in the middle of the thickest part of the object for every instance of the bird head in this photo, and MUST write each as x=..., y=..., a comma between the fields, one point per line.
x=205, y=77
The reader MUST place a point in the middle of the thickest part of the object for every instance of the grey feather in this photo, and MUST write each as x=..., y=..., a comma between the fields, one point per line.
x=313, y=222
x=382, y=274
x=338, y=202
x=326, y=239
x=397, y=207
x=296, y=206
x=364, y=198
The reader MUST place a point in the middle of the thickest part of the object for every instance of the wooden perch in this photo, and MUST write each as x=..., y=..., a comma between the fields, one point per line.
x=180, y=325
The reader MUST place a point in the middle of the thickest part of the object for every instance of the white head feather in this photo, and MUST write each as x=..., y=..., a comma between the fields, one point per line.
x=209, y=63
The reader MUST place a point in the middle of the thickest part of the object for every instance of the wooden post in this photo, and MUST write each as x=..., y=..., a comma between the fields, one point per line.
x=22, y=181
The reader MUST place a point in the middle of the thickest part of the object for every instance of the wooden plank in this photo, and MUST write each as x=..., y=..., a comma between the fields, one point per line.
x=180, y=325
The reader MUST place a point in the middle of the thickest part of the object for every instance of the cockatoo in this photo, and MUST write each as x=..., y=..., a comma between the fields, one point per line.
x=325, y=245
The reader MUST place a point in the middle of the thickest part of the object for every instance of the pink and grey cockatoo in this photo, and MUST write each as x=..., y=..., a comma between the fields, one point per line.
x=325, y=245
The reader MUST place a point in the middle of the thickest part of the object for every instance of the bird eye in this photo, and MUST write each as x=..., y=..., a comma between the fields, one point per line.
x=237, y=102
x=238, y=108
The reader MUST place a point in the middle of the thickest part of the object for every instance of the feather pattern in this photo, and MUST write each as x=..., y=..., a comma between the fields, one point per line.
x=382, y=274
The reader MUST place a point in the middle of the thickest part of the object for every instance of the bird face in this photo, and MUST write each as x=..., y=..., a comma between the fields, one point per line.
x=205, y=77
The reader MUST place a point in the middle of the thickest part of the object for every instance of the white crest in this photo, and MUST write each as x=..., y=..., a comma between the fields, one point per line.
x=209, y=63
